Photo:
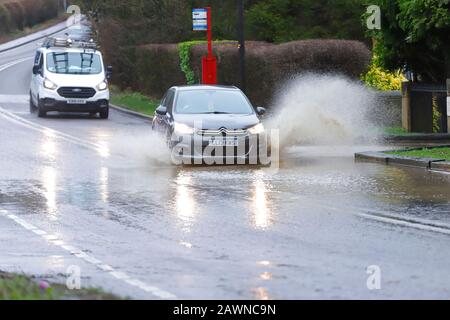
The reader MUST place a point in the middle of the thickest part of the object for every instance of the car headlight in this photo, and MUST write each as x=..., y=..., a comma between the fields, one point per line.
x=182, y=129
x=258, y=129
x=49, y=84
x=102, y=86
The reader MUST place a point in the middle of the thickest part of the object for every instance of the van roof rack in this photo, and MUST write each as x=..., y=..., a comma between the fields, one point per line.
x=68, y=43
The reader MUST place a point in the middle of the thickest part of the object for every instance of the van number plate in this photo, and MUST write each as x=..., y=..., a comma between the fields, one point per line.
x=76, y=101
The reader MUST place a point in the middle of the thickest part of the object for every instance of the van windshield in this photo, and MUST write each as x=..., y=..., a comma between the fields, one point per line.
x=74, y=63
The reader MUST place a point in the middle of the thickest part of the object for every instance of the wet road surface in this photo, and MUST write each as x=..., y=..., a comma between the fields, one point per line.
x=79, y=191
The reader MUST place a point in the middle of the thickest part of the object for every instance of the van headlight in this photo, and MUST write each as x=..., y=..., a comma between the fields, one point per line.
x=258, y=129
x=49, y=84
x=182, y=129
x=102, y=86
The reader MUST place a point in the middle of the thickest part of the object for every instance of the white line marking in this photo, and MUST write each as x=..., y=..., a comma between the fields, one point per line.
x=99, y=148
x=416, y=225
x=13, y=63
x=39, y=232
x=53, y=239
x=119, y=275
x=102, y=150
x=411, y=223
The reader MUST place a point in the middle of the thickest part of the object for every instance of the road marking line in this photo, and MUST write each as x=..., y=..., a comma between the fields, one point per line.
x=39, y=232
x=100, y=149
x=396, y=221
x=119, y=275
x=411, y=223
x=13, y=63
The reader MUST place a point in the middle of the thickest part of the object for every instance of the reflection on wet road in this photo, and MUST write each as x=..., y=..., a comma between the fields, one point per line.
x=213, y=232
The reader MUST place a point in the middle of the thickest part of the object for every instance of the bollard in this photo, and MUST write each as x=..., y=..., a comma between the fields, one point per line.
x=406, y=106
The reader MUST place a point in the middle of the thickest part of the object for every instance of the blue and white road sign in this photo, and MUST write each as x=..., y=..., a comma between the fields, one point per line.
x=200, y=19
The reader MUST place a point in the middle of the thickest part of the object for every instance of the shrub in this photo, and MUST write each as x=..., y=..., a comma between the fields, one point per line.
x=5, y=19
x=382, y=79
x=185, y=60
x=19, y=14
x=270, y=65
x=153, y=68
x=158, y=68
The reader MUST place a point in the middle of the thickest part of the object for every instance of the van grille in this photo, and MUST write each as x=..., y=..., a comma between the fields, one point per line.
x=76, y=92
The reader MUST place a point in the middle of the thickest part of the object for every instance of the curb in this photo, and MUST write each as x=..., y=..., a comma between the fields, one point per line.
x=430, y=138
x=131, y=113
x=389, y=159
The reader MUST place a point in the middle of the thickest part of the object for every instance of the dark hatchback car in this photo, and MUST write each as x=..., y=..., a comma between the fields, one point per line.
x=211, y=124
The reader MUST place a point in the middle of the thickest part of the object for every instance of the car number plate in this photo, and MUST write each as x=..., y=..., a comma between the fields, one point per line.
x=224, y=143
x=76, y=101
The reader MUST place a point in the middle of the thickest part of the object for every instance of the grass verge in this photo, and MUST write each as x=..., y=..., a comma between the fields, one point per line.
x=134, y=101
x=398, y=131
x=21, y=287
x=437, y=153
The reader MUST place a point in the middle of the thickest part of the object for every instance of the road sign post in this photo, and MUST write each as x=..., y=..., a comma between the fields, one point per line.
x=202, y=22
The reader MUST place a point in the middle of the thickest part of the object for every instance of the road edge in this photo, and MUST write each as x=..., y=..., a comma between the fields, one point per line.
x=433, y=164
x=32, y=40
x=131, y=112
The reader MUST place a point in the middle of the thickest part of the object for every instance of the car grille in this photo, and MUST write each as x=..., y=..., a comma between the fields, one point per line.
x=222, y=132
x=76, y=92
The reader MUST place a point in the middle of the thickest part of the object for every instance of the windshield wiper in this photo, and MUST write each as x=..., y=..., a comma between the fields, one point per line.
x=215, y=112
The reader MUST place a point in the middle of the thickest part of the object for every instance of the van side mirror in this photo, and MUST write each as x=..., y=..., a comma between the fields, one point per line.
x=260, y=111
x=161, y=110
x=36, y=70
x=109, y=72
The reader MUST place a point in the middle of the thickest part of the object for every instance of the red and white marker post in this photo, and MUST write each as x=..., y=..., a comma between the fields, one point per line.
x=209, y=62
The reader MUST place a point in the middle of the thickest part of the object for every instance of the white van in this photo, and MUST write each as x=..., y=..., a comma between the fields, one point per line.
x=69, y=76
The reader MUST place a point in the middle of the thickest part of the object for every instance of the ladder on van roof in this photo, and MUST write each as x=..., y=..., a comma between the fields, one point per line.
x=64, y=61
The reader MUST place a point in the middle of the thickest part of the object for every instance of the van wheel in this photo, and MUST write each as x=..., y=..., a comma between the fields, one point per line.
x=32, y=105
x=41, y=111
x=104, y=113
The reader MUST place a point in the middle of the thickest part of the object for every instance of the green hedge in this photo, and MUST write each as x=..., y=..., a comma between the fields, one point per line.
x=20, y=14
x=153, y=68
x=269, y=66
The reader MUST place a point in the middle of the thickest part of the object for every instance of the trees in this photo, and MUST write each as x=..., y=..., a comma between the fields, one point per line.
x=270, y=20
x=415, y=35
x=287, y=20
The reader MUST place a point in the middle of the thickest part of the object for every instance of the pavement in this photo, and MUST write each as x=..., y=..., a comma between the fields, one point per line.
x=103, y=197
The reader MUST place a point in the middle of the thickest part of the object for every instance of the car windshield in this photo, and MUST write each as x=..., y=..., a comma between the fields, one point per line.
x=74, y=63
x=212, y=102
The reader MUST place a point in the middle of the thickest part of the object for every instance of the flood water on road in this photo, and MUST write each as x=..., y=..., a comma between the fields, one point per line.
x=143, y=227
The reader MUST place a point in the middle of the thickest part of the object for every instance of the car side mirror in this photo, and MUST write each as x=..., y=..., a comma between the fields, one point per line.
x=36, y=70
x=161, y=110
x=260, y=111
x=109, y=72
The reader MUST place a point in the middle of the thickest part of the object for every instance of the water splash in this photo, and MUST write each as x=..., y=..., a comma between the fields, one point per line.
x=142, y=149
x=323, y=110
